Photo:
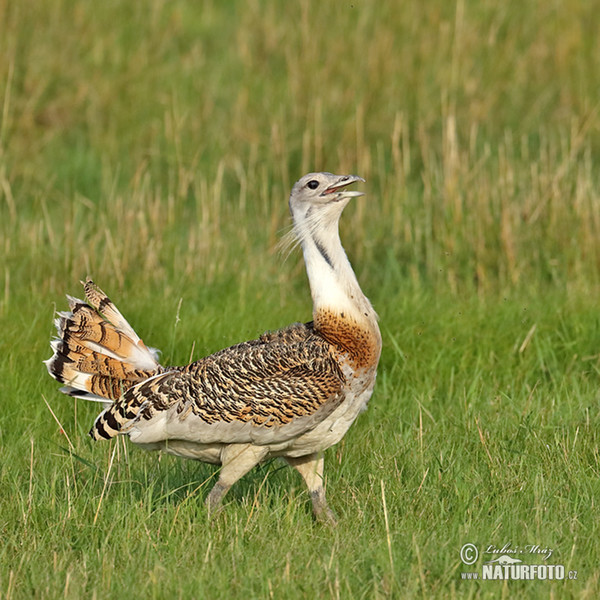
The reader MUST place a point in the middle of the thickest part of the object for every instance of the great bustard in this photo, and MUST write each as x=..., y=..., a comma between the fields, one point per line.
x=292, y=393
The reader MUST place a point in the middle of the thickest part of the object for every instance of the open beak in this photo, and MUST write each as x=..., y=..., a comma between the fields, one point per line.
x=342, y=182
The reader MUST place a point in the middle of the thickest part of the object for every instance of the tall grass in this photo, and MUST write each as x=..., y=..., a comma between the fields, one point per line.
x=153, y=146
x=476, y=126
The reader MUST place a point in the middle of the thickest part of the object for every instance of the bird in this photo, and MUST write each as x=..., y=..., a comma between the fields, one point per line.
x=290, y=393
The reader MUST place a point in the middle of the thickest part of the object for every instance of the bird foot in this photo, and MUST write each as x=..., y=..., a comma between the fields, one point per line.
x=326, y=516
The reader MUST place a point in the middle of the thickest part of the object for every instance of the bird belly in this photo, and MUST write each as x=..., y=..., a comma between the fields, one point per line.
x=208, y=453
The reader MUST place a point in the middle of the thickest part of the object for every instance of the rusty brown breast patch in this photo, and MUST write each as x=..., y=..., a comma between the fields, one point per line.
x=360, y=340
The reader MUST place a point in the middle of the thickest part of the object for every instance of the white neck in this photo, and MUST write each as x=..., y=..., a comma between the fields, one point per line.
x=333, y=284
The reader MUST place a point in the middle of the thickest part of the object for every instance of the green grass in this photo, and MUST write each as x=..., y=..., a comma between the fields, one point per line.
x=153, y=146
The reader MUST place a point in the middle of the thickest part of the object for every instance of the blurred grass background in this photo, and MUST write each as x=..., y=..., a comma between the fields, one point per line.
x=153, y=145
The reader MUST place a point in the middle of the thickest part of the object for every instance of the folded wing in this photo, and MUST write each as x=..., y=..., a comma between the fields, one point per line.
x=264, y=391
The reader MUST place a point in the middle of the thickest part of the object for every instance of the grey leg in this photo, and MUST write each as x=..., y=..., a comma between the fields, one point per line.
x=311, y=469
x=236, y=460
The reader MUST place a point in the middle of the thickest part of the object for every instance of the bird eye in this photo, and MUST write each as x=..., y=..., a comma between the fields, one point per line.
x=313, y=184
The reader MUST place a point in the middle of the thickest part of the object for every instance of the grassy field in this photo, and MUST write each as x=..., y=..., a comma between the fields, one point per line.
x=153, y=145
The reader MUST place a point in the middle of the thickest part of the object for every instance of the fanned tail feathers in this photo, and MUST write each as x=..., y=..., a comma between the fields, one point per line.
x=97, y=354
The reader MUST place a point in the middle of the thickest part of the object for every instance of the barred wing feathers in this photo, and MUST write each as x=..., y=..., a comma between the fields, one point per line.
x=264, y=391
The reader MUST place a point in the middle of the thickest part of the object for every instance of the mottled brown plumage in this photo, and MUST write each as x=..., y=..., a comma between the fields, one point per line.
x=266, y=383
x=290, y=393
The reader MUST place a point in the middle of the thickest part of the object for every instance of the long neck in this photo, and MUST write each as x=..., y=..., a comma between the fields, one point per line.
x=340, y=309
x=333, y=284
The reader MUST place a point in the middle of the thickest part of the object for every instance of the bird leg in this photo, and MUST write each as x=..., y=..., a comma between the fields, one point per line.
x=236, y=461
x=311, y=469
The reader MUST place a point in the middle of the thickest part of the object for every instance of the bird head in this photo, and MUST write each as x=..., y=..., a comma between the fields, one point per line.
x=318, y=199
